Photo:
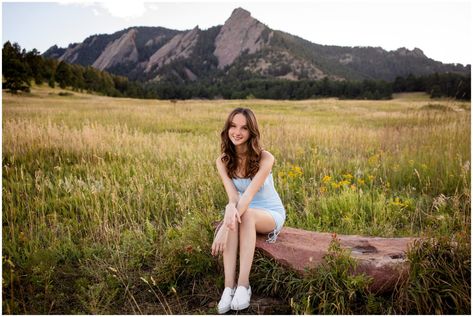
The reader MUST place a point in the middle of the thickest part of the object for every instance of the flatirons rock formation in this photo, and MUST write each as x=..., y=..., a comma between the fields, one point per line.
x=384, y=259
x=242, y=44
x=240, y=33
x=120, y=50
x=180, y=46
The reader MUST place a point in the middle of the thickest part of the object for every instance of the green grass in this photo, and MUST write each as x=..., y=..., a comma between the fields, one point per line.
x=108, y=203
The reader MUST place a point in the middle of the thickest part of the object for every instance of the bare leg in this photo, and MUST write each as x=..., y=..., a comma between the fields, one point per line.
x=253, y=220
x=230, y=257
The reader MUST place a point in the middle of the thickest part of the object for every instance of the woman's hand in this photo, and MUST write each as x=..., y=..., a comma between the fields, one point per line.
x=220, y=241
x=231, y=216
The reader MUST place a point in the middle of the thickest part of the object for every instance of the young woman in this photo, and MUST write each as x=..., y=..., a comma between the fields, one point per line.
x=253, y=205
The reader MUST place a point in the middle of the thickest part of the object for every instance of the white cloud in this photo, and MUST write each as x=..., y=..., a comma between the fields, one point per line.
x=153, y=6
x=75, y=2
x=124, y=9
x=119, y=9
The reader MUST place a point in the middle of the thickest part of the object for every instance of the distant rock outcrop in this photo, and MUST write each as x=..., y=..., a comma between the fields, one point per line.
x=54, y=52
x=180, y=46
x=155, y=40
x=121, y=50
x=384, y=259
x=416, y=52
x=71, y=53
x=242, y=46
x=270, y=65
x=240, y=33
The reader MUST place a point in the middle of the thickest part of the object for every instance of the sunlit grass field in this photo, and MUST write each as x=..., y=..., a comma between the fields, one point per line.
x=108, y=203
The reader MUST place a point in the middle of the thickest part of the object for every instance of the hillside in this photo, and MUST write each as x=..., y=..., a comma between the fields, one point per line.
x=242, y=47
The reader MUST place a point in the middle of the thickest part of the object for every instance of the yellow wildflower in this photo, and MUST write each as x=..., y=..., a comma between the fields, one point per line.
x=373, y=160
x=399, y=203
x=326, y=179
x=296, y=170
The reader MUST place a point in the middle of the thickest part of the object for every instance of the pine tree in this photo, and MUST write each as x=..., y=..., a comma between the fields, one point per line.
x=15, y=69
x=63, y=74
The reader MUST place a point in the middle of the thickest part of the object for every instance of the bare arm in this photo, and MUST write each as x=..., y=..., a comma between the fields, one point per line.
x=266, y=164
x=232, y=193
x=231, y=213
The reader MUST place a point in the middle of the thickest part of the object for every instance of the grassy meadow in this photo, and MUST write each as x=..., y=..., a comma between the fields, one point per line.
x=108, y=203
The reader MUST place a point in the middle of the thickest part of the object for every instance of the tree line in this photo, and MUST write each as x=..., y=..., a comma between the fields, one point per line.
x=20, y=68
x=436, y=85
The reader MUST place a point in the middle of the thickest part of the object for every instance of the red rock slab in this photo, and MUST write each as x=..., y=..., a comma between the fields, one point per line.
x=384, y=259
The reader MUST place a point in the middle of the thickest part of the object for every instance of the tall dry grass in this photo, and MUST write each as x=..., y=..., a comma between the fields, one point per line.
x=106, y=202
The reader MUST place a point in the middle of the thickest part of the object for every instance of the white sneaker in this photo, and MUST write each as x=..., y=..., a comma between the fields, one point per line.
x=226, y=300
x=241, y=299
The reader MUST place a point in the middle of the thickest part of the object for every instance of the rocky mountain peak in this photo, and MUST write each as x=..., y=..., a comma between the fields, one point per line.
x=416, y=52
x=243, y=43
x=240, y=13
x=118, y=51
x=240, y=33
x=54, y=52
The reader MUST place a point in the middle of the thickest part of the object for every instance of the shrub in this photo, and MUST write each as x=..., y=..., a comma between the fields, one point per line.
x=186, y=251
x=439, y=277
x=330, y=288
x=65, y=94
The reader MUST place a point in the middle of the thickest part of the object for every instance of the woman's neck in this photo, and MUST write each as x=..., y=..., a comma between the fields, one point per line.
x=241, y=151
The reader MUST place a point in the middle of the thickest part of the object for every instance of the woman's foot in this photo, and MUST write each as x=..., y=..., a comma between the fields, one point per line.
x=241, y=299
x=226, y=300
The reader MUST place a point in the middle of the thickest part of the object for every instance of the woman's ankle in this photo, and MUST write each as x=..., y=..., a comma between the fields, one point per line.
x=244, y=284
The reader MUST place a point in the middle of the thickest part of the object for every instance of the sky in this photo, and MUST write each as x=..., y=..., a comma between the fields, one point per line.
x=442, y=29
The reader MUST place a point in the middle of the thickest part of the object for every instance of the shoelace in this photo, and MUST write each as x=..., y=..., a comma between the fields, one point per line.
x=272, y=236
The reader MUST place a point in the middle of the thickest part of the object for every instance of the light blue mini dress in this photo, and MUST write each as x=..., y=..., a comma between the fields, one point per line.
x=267, y=199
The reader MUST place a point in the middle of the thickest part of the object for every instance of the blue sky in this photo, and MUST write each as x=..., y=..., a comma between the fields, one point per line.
x=441, y=28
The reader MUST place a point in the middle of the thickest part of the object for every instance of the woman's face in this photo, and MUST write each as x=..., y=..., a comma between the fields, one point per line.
x=238, y=132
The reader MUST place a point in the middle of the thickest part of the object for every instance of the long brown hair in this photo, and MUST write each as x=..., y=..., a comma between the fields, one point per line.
x=229, y=155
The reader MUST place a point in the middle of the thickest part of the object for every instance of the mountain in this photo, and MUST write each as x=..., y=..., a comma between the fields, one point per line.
x=243, y=48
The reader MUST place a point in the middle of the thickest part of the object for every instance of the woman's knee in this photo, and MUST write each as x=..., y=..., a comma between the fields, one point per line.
x=248, y=217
